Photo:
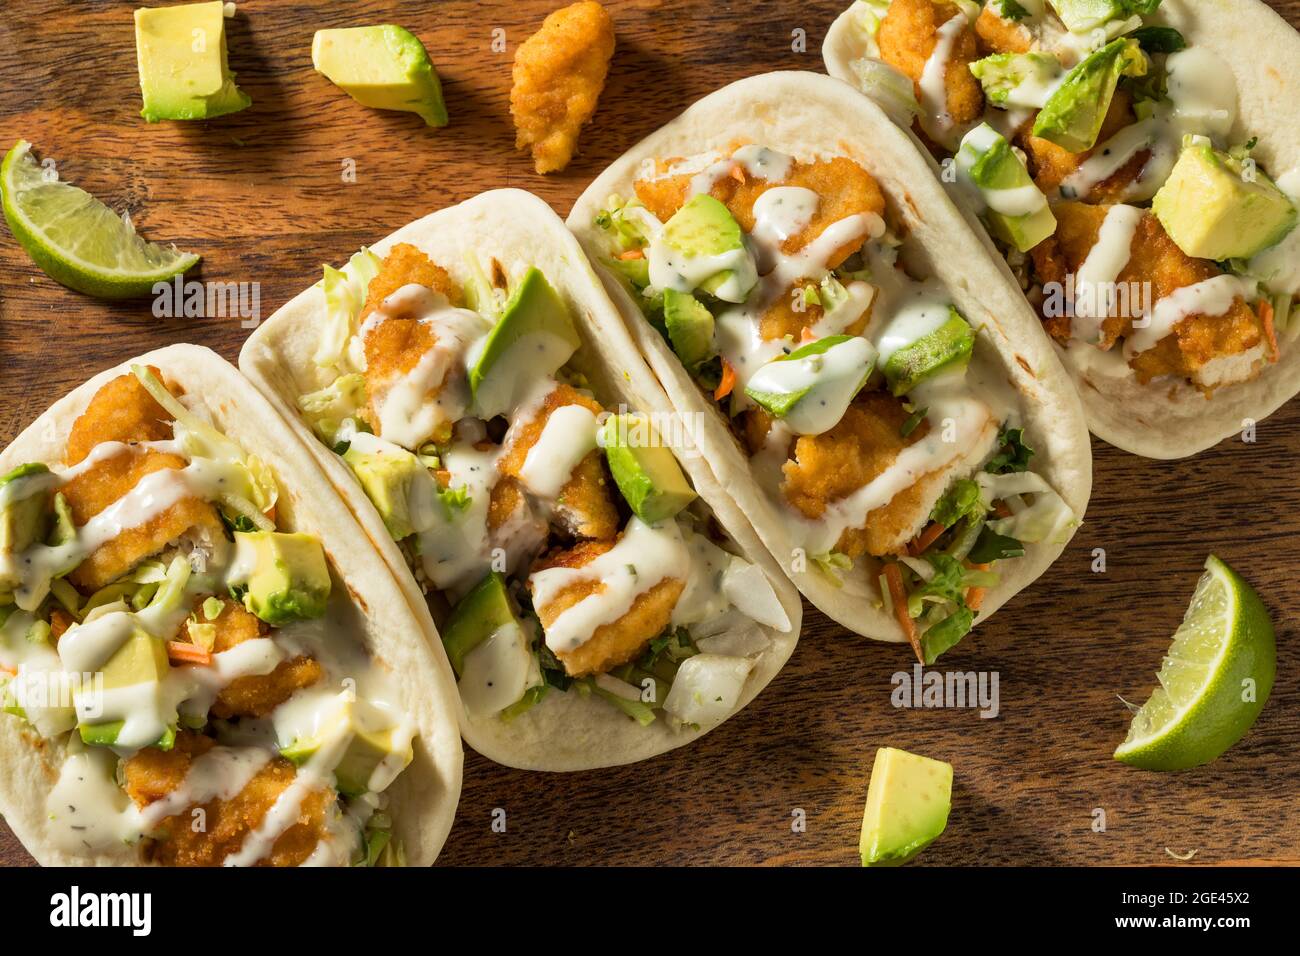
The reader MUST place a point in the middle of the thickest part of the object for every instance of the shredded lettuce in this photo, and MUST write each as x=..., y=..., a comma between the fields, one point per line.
x=1048, y=519
x=345, y=293
x=327, y=409
x=867, y=17
x=887, y=87
x=833, y=565
x=627, y=223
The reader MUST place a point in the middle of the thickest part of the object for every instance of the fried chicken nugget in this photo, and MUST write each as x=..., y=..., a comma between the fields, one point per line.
x=1001, y=36
x=151, y=774
x=1050, y=164
x=559, y=73
x=122, y=410
x=617, y=642
x=585, y=508
x=908, y=35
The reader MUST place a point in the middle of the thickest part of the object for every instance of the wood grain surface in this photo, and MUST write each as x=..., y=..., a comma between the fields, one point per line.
x=260, y=194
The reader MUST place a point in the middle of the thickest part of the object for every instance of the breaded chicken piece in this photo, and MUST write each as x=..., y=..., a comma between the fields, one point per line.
x=866, y=442
x=107, y=481
x=907, y=37
x=559, y=73
x=151, y=774
x=255, y=695
x=1001, y=36
x=585, y=508
x=1049, y=164
x=396, y=345
x=622, y=640
x=122, y=410
x=1200, y=345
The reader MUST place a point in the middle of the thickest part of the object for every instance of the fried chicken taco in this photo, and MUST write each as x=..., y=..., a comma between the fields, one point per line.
x=871, y=391
x=1136, y=168
x=203, y=662
x=468, y=387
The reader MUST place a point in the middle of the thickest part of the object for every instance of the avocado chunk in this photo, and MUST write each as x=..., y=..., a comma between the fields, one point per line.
x=703, y=247
x=1074, y=113
x=946, y=348
x=1210, y=211
x=181, y=52
x=1023, y=80
x=811, y=388
x=1080, y=16
x=370, y=748
x=690, y=328
x=1015, y=208
x=645, y=470
x=533, y=338
x=24, y=513
x=141, y=662
x=287, y=578
x=482, y=612
x=907, y=806
x=384, y=67
x=387, y=473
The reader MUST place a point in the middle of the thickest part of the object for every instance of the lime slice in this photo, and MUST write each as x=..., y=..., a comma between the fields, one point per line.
x=1213, y=682
x=78, y=240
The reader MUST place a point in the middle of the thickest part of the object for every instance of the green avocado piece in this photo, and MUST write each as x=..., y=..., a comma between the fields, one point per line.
x=705, y=229
x=142, y=659
x=1080, y=16
x=288, y=581
x=481, y=613
x=181, y=53
x=1073, y=115
x=947, y=347
x=1000, y=175
x=645, y=470
x=1017, y=79
x=533, y=338
x=387, y=476
x=908, y=801
x=385, y=67
x=1211, y=212
x=690, y=328
x=372, y=739
x=24, y=512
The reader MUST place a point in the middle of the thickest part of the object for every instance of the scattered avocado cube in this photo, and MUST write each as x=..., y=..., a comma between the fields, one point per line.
x=1024, y=80
x=181, y=52
x=1212, y=212
x=1073, y=115
x=288, y=579
x=645, y=470
x=481, y=613
x=373, y=740
x=908, y=801
x=24, y=508
x=704, y=229
x=385, y=67
x=387, y=475
x=946, y=348
x=1003, y=180
x=690, y=328
x=533, y=338
x=141, y=660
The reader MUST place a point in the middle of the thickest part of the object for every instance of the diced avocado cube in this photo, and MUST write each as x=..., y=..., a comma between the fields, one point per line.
x=1212, y=212
x=1073, y=115
x=481, y=613
x=376, y=751
x=690, y=328
x=385, y=67
x=1016, y=210
x=287, y=578
x=24, y=513
x=645, y=470
x=140, y=660
x=1024, y=80
x=703, y=231
x=811, y=388
x=181, y=53
x=947, y=348
x=387, y=475
x=1080, y=16
x=907, y=806
x=532, y=339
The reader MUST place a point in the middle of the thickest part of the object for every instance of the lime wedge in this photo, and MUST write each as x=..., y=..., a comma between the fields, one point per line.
x=1213, y=682
x=78, y=240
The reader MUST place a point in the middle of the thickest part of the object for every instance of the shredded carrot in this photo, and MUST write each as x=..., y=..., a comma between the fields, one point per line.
x=270, y=513
x=975, y=596
x=631, y=254
x=183, y=652
x=1270, y=330
x=738, y=174
x=1001, y=510
x=806, y=336
x=898, y=597
x=727, y=384
x=8, y=670
x=926, y=538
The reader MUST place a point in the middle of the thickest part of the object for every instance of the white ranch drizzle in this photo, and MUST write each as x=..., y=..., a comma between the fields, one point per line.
x=88, y=811
x=935, y=116
x=1278, y=266
x=781, y=212
x=567, y=438
x=454, y=546
x=1096, y=277
x=759, y=162
x=1209, y=297
x=830, y=380
x=219, y=774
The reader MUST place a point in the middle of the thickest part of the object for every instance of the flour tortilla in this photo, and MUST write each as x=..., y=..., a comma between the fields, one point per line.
x=1164, y=420
x=812, y=116
x=422, y=801
x=563, y=731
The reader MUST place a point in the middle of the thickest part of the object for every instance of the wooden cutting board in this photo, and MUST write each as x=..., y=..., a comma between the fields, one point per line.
x=261, y=195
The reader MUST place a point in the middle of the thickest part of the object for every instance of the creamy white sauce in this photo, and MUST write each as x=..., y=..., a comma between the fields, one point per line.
x=1279, y=265
x=88, y=811
x=921, y=314
x=936, y=118
x=782, y=212
x=830, y=380
x=1095, y=280
x=219, y=774
x=497, y=672
x=454, y=546
x=1210, y=297
x=758, y=162
x=568, y=437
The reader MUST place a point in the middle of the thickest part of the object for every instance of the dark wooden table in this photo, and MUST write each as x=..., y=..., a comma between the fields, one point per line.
x=261, y=196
